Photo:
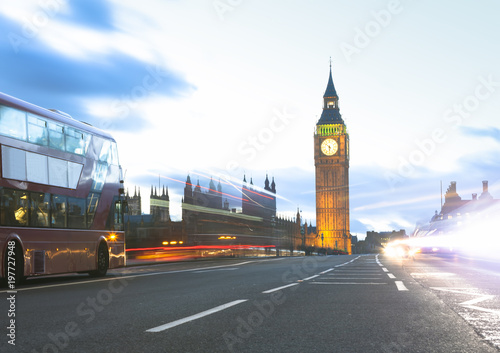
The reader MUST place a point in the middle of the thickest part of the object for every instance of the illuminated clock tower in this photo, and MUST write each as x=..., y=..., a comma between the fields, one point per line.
x=331, y=159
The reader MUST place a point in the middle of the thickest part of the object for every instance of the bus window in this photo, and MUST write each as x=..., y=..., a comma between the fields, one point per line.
x=76, y=141
x=37, y=170
x=39, y=210
x=99, y=176
x=115, y=216
x=37, y=130
x=113, y=154
x=56, y=136
x=13, y=123
x=105, y=154
x=73, y=138
x=74, y=172
x=86, y=142
x=58, y=211
x=76, y=213
x=118, y=219
x=13, y=163
x=14, y=207
x=58, y=172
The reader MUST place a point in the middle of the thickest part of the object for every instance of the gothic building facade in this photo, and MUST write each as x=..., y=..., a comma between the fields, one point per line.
x=260, y=203
x=159, y=205
x=207, y=218
x=206, y=197
x=134, y=202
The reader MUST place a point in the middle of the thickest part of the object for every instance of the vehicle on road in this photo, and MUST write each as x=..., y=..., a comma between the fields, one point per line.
x=61, y=194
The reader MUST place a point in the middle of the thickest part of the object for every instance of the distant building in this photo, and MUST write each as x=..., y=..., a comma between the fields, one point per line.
x=208, y=220
x=151, y=229
x=456, y=211
x=159, y=205
x=134, y=203
x=375, y=242
x=260, y=203
x=454, y=205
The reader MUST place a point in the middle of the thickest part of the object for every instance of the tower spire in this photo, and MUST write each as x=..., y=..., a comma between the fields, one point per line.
x=331, y=112
x=330, y=88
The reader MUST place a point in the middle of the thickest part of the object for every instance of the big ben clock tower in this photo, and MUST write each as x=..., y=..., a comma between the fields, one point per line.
x=331, y=159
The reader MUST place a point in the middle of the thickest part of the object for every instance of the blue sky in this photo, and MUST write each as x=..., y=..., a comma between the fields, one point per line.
x=222, y=88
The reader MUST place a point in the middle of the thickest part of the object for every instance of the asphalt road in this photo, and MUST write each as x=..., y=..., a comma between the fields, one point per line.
x=342, y=304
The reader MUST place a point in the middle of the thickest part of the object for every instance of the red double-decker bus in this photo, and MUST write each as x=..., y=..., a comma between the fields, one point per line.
x=61, y=191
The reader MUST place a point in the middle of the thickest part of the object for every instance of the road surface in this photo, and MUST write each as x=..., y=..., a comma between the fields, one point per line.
x=355, y=303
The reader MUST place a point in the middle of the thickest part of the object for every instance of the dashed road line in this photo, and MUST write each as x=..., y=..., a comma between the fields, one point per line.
x=280, y=288
x=217, y=269
x=400, y=285
x=326, y=271
x=366, y=283
x=196, y=316
x=308, y=278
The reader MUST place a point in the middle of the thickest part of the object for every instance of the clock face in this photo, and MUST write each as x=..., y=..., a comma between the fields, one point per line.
x=329, y=147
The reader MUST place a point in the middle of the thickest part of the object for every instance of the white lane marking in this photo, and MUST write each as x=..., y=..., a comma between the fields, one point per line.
x=486, y=321
x=347, y=283
x=384, y=269
x=344, y=272
x=391, y=275
x=348, y=262
x=326, y=271
x=217, y=269
x=308, y=278
x=470, y=303
x=67, y=284
x=279, y=288
x=400, y=285
x=336, y=274
x=461, y=290
x=196, y=316
x=354, y=278
x=478, y=300
x=432, y=274
x=277, y=259
x=483, y=309
x=125, y=277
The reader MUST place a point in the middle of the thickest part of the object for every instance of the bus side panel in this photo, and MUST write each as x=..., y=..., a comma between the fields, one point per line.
x=54, y=251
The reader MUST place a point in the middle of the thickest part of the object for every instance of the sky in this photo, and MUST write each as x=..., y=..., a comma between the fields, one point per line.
x=230, y=88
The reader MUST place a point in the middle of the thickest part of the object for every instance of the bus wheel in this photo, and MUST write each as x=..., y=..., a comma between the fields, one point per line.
x=13, y=266
x=102, y=261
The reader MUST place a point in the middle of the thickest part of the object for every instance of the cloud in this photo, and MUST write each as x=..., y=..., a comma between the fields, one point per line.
x=91, y=13
x=491, y=132
x=34, y=72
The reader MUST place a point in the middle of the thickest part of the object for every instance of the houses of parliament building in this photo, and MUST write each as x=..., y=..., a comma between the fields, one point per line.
x=208, y=220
